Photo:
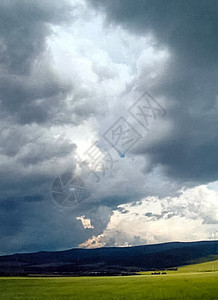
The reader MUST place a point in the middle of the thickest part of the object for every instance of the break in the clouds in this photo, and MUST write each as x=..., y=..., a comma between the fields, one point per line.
x=68, y=71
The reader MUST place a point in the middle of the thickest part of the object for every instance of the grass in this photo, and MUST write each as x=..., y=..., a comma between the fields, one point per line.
x=186, y=283
x=209, y=266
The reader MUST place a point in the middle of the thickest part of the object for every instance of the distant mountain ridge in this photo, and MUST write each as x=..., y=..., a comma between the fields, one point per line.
x=109, y=261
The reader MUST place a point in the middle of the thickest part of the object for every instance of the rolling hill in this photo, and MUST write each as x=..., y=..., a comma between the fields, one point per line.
x=109, y=261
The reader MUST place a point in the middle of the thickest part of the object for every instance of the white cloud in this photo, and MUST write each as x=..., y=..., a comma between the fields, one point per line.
x=190, y=216
x=86, y=223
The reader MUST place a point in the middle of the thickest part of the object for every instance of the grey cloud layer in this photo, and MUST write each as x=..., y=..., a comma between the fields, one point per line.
x=32, y=99
x=24, y=27
x=30, y=89
x=38, y=106
x=189, y=29
x=36, y=100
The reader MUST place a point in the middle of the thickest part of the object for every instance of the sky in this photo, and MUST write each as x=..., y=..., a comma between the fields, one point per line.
x=108, y=123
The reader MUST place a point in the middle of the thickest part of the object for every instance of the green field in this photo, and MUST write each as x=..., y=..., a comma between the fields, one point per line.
x=209, y=266
x=190, y=282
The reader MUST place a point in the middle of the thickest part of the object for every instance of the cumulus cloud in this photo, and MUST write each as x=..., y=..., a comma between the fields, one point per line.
x=191, y=216
x=112, y=238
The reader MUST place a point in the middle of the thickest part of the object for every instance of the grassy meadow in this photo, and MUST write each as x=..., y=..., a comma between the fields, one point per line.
x=189, y=282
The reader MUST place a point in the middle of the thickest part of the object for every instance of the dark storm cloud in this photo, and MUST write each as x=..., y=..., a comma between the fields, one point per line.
x=31, y=96
x=31, y=225
x=31, y=93
x=24, y=26
x=189, y=29
x=36, y=101
x=30, y=89
x=30, y=158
